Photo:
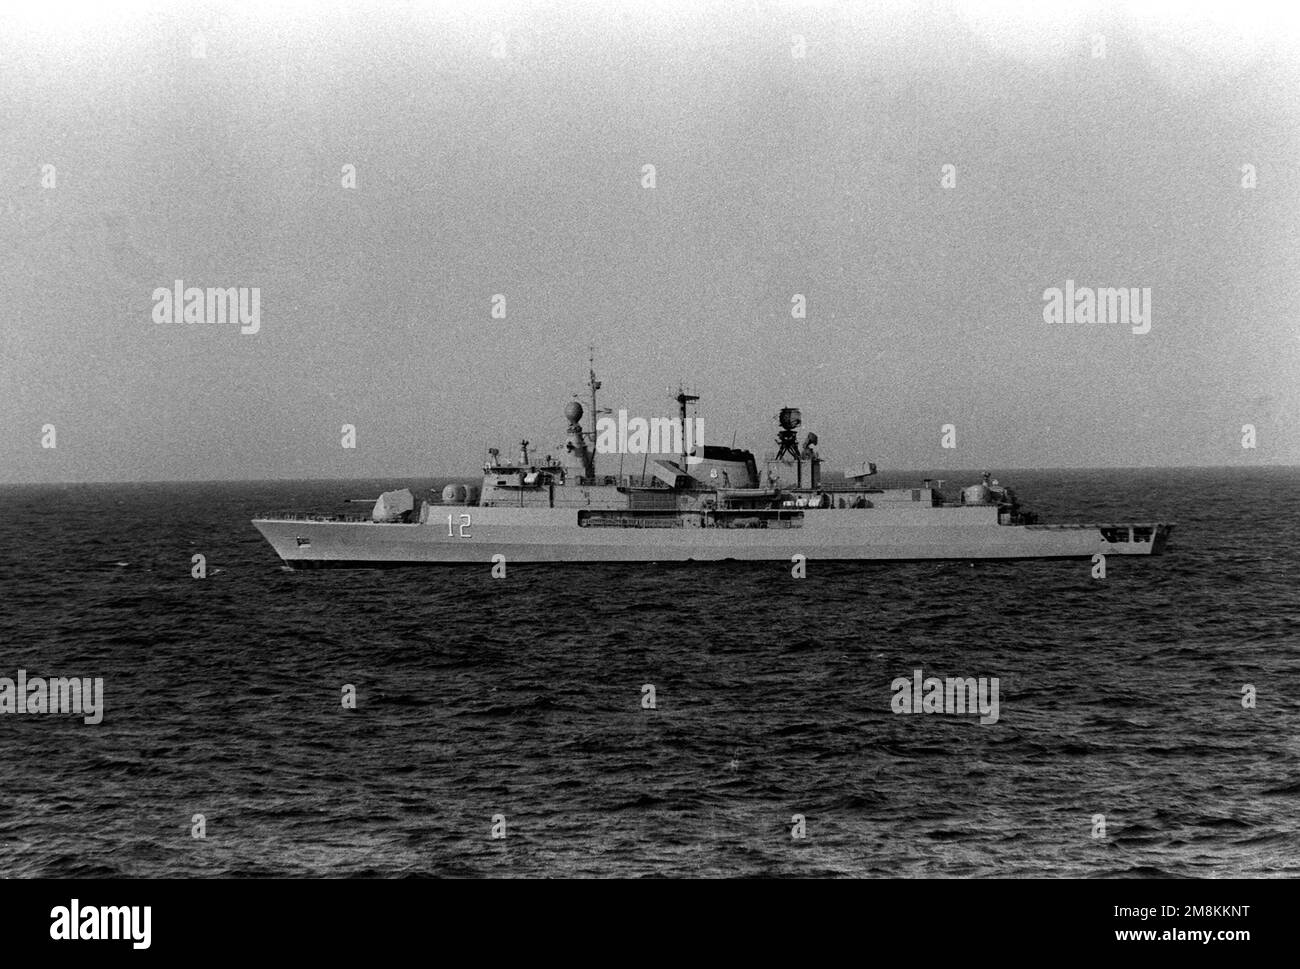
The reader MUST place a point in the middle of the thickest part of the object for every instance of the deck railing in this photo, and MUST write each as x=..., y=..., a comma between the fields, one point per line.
x=304, y=516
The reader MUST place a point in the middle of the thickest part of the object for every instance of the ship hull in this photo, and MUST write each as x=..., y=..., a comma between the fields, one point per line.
x=454, y=535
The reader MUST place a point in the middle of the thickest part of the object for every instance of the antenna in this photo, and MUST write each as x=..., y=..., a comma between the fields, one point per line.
x=683, y=399
x=594, y=384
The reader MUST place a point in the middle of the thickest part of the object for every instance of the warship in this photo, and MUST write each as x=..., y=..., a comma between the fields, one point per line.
x=709, y=503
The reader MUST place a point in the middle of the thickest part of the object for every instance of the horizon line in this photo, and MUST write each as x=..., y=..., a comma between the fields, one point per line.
x=881, y=474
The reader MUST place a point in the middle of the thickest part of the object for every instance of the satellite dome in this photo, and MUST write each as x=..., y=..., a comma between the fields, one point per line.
x=573, y=411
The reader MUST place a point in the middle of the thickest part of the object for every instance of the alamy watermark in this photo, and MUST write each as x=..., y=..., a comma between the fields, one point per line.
x=1128, y=306
x=658, y=435
x=950, y=695
x=212, y=305
x=59, y=694
x=79, y=923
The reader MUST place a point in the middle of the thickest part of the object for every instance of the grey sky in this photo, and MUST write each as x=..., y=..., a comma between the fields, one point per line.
x=522, y=175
